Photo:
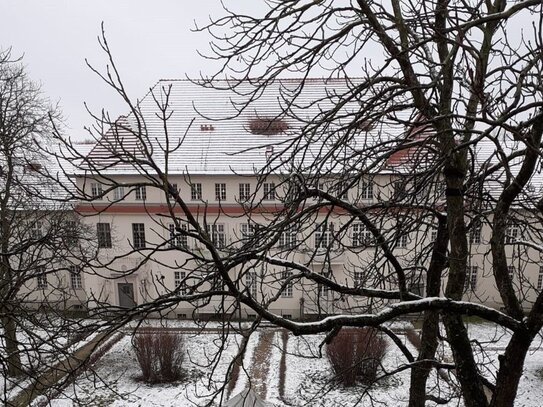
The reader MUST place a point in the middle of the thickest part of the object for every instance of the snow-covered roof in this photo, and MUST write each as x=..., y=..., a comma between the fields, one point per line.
x=219, y=132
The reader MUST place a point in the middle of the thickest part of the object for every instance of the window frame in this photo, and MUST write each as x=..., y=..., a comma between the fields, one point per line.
x=220, y=191
x=177, y=240
x=97, y=190
x=104, y=236
x=244, y=191
x=196, y=191
x=141, y=193
x=367, y=191
x=269, y=191
x=76, y=281
x=41, y=278
x=138, y=236
x=288, y=290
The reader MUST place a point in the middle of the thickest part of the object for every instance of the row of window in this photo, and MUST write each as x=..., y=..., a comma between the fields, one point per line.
x=324, y=236
x=76, y=281
x=269, y=191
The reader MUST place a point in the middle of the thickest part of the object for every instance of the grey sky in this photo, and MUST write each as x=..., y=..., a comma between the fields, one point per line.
x=150, y=40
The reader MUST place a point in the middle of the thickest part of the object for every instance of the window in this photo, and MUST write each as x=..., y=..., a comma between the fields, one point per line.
x=287, y=288
x=358, y=278
x=367, y=190
x=433, y=235
x=96, y=190
x=511, y=271
x=323, y=289
x=403, y=241
x=179, y=281
x=177, y=238
x=196, y=192
x=75, y=277
x=71, y=235
x=220, y=192
x=269, y=191
x=540, y=278
x=244, y=192
x=138, y=235
x=288, y=237
x=36, y=230
x=248, y=231
x=512, y=234
x=251, y=283
x=141, y=193
x=103, y=231
x=471, y=278
x=217, y=234
x=399, y=189
x=324, y=235
x=41, y=278
x=475, y=234
x=118, y=193
x=360, y=234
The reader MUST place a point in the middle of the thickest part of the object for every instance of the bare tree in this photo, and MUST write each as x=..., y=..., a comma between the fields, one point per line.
x=40, y=244
x=436, y=141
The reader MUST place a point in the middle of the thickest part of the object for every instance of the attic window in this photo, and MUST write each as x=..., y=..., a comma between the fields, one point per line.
x=365, y=125
x=33, y=167
x=267, y=125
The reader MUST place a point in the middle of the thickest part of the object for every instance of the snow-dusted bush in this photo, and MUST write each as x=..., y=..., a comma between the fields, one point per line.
x=356, y=355
x=160, y=356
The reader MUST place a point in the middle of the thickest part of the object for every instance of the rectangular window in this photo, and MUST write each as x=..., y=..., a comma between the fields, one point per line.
x=41, y=278
x=118, y=193
x=244, y=192
x=511, y=271
x=217, y=234
x=177, y=238
x=361, y=235
x=471, y=278
x=269, y=191
x=36, y=230
x=138, y=235
x=323, y=289
x=103, y=231
x=251, y=283
x=287, y=288
x=179, y=281
x=358, y=278
x=540, y=278
x=96, y=190
x=433, y=235
x=71, y=235
x=475, y=234
x=512, y=234
x=403, y=241
x=367, y=190
x=288, y=238
x=75, y=277
x=141, y=193
x=196, y=192
x=324, y=236
x=220, y=192
x=248, y=231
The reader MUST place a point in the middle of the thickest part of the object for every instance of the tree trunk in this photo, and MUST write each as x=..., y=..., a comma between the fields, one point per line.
x=13, y=357
x=430, y=325
x=510, y=371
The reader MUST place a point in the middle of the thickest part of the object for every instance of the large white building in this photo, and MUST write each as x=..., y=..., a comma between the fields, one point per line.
x=237, y=168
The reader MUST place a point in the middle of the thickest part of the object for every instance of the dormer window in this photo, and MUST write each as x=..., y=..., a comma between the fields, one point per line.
x=267, y=125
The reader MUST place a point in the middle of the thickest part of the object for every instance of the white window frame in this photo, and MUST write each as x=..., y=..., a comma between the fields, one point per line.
x=287, y=288
x=324, y=236
x=540, y=278
x=76, y=281
x=288, y=238
x=220, y=191
x=217, y=234
x=511, y=272
x=196, y=191
x=251, y=283
x=97, y=190
x=118, y=193
x=36, y=230
x=41, y=278
x=141, y=193
x=360, y=234
x=475, y=234
x=403, y=241
x=244, y=191
x=358, y=278
x=179, y=281
x=178, y=239
x=472, y=278
x=512, y=233
x=269, y=191
x=367, y=191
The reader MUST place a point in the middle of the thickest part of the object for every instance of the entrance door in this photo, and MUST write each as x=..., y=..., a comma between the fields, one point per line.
x=126, y=295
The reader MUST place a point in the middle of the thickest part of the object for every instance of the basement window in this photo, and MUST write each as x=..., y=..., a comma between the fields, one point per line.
x=267, y=125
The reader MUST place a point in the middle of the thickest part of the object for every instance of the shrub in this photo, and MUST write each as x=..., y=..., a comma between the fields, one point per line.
x=160, y=356
x=356, y=354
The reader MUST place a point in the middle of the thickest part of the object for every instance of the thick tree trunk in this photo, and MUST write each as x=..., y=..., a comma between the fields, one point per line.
x=511, y=363
x=13, y=357
x=430, y=325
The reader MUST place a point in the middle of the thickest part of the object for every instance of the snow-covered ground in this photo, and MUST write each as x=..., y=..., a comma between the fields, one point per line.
x=308, y=380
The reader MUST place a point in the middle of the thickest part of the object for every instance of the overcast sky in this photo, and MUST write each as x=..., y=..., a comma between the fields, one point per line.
x=150, y=39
